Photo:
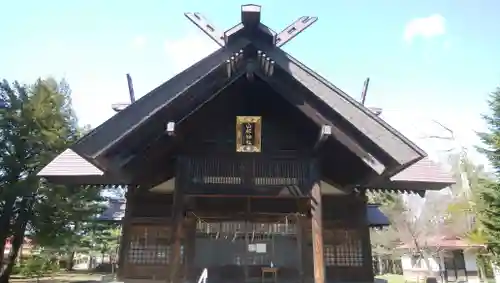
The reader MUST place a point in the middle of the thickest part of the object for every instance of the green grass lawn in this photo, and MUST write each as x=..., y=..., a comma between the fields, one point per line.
x=392, y=278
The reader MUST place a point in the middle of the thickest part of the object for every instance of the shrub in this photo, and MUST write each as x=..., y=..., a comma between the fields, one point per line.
x=38, y=266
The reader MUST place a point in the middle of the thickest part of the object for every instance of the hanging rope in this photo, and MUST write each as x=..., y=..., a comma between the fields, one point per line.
x=272, y=228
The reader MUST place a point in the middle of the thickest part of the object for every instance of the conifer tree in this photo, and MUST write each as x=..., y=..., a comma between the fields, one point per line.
x=490, y=214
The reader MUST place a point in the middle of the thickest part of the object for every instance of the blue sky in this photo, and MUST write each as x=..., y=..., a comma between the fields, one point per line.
x=426, y=59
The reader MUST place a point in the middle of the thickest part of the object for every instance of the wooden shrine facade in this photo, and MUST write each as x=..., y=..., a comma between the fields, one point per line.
x=246, y=163
x=219, y=234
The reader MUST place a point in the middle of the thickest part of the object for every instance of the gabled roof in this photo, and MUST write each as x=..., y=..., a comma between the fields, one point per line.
x=170, y=94
x=423, y=175
x=395, y=144
x=128, y=133
x=69, y=162
x=446, y=242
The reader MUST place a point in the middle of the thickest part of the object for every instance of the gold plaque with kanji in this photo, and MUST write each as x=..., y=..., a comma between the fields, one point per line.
x=248, y=134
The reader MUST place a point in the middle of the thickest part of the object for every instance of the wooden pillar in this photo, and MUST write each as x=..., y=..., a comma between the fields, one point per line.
x=317, y=234
x=300, y=245
x=365, y=238
x=246, y=229
x=190, y=250
x=176, y=235
x=125, y=233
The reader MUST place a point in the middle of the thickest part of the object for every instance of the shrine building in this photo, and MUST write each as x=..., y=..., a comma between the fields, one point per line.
x=247, y=167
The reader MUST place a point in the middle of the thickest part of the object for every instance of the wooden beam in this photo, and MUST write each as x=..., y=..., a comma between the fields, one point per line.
x=294, y=29
x=190, y=248
x=292, y=95
x=250, y=15
x=300, y=246
x=209, y=29
x=364, y=91
x=325, y=132
x=175, y=235
x=397, y=146
x=317, y=234
x=130, y=89
x=103, y=140
x=126, y=230
x=159, y=145
x=248, y=211
x=364, y=229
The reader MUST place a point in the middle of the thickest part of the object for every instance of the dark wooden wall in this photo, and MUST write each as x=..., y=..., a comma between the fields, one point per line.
x=346, y=235
x=285, y=130
x=211, y=131
x=288, y=156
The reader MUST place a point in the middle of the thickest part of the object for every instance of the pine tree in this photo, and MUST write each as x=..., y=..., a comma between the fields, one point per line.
x=490, y=213
x=36, y=123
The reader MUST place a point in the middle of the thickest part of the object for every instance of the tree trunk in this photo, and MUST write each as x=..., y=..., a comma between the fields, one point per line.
x=70, y=263
x=5, y=220
x=17, y=239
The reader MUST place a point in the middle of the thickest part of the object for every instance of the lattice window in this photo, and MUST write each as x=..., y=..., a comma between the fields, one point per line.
x=150, y=246
x=329, y=252
x=151, y=254
x=347, y=249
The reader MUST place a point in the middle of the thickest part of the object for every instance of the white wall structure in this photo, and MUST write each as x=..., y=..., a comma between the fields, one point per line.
x=414, y=272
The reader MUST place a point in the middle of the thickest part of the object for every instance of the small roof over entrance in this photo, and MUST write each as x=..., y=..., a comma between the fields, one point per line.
x=249, y=51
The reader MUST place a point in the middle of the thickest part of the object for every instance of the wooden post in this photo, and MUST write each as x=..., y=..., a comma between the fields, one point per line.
x=247, y=243
x=365, y=238
x=190, y=249
x=176, y=234
x=125, y=235
x=317, y=234
x=300, y=245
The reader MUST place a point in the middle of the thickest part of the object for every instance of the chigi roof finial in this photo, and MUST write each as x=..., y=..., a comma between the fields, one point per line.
x=251, y=22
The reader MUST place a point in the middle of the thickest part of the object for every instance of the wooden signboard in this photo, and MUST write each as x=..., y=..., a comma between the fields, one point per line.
x=248, y=133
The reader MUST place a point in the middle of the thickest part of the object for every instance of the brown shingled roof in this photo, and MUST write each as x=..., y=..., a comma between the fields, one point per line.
x=423, y=175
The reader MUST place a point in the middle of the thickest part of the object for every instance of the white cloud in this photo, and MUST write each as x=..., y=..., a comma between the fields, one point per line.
x=427, y=27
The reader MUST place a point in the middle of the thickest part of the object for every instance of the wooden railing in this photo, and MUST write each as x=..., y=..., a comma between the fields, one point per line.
x=244, y=171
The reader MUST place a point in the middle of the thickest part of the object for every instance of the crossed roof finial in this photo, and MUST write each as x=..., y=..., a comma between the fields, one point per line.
x=250, y=19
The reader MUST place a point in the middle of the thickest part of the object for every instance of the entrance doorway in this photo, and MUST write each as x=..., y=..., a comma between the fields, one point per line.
x=249, y=251
x=454, y=264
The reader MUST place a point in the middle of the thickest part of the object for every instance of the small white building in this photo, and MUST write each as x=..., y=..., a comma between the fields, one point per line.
x=454, y=261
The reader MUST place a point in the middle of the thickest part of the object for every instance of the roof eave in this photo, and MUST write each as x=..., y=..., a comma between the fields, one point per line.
x=122, y=124
x=410, y=185
x=384, y=136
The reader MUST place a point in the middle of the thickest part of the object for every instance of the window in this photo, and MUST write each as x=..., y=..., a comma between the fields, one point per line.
x=151, y=254
x=454, y=260
x=348, y=250
x=150, y=246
